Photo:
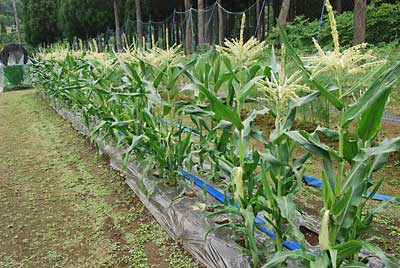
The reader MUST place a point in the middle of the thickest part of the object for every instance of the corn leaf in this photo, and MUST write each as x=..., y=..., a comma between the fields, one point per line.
x=373, y=96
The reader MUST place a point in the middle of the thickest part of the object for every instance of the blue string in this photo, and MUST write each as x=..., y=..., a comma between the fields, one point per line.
x=259, y=17
x=321, y=19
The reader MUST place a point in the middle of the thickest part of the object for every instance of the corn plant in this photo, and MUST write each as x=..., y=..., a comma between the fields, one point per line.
x=241, y=169
x=345, y=215
x=127, y=98
x=160, y=145
x=281, y=173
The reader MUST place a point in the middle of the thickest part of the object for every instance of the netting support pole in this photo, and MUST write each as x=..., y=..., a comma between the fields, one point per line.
x=200, y=7
x=139, y=29
x=189, y=28
x=220, y=24
x=173, y=38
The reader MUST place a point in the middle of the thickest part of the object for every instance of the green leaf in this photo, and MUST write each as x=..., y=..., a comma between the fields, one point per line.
x=321, y=262
x=384, y=147
x=253, y=70
x=312, y=145
x=347, y=249
x=372, y=96
x=159, y=78
x=341, y=205
x=282, y=256
x=333, y=253
x=248, y=88
x=286, y=206
x=222, y=125
x=330, y=134
x=328, y=192
x=220, y=109
x=370, y=122
x=249, y=218
x=389, y=263
x=350, y=149
x=225, y=77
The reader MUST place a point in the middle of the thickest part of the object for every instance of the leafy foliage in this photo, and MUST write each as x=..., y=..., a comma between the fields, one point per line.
x=129, y=99
x=40, y=21
x=381, y=26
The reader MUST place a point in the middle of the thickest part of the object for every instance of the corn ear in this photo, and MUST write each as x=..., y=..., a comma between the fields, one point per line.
x=237, y=174
x=324, y=232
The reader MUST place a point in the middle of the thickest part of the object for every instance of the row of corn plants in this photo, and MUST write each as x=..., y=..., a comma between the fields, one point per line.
x=130, y=98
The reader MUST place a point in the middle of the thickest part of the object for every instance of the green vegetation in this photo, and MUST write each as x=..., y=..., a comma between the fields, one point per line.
x=7, y=33
x=126, y=97
x=381, y=27
x=40, y=21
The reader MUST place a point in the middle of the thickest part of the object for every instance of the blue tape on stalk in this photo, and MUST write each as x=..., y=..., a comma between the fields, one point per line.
x=310, y=181
x=219, y=196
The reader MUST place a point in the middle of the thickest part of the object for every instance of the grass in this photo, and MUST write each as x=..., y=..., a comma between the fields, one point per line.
x=62, y=206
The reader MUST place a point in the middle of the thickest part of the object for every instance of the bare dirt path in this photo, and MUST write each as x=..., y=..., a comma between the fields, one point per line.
x=61, y=205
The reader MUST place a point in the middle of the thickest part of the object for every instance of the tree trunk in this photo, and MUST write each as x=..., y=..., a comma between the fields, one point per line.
x=221, y=24
x=339, y=7
x=117, y=27
x=188, y=37
x=359, y=21
x=283, y=14
x=17, y=22
x=200, y=6
x=139, y=27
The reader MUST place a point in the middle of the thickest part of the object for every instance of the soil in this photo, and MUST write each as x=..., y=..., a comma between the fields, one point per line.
x=60, y=203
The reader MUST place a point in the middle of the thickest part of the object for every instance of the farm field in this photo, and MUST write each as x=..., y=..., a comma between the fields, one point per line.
x=62, y=205
x=200, y=133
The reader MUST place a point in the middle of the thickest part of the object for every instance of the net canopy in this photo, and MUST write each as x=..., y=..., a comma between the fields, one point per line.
x=194, y=28
x=208, y=26
x=14, y=54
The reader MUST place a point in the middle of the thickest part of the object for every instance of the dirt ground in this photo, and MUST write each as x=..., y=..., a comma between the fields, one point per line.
x=60, y=203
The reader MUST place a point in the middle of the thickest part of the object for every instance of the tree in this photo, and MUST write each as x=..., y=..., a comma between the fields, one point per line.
x=188, y=37
x=339, y=7
x=283, y=14
x=359, y=21
x=40, y=20
x=17, y=22
x=138, y=9
x=117, y=28
x=200, y=6
x=85, y=19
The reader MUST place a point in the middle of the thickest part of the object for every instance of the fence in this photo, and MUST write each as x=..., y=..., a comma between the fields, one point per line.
x=194, y=28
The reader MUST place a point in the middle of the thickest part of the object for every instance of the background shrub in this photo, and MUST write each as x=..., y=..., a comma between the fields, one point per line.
x=382, y=26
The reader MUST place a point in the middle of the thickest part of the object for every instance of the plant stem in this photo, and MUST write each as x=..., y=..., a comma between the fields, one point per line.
x=278, y=133
x=241, y=141
x=340, y=178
